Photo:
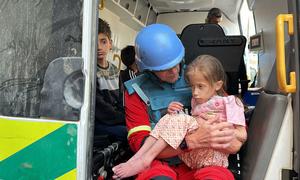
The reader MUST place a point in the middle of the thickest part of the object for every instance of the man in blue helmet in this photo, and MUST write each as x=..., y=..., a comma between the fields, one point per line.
x=159, y=54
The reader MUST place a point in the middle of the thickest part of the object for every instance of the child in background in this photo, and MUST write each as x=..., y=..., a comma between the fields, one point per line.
x=128, y=59
x=206, y=77
x=131, y=71
x=109, y=112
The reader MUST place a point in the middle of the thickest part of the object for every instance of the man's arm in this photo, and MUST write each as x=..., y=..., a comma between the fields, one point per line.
x=222, y=136
x=137, y=121
x=238, y=141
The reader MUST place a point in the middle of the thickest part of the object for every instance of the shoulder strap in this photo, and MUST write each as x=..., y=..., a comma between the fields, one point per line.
x=141, y=93
x=138, y=81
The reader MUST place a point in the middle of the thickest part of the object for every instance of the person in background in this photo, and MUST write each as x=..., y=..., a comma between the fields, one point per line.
x=159, y=53
x=214, y=16
x=109, y=112
x=207, y=77
x=131, y=71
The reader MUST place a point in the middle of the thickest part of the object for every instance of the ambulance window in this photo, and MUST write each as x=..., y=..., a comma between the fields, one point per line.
x=248, y=29
x=35, y=36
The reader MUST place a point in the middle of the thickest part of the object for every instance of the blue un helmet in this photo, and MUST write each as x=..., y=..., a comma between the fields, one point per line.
x=158, y=48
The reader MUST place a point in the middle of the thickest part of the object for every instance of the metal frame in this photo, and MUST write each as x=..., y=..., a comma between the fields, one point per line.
x=294, y=8
x=86, y=124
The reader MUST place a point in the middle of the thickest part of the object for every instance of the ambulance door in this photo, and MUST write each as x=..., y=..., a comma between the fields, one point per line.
x=47, y=60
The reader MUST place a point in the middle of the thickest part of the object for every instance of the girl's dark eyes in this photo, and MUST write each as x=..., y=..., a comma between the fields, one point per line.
x=197, y=86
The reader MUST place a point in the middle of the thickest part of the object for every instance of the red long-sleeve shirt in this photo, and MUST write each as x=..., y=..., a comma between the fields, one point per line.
x=137, y=120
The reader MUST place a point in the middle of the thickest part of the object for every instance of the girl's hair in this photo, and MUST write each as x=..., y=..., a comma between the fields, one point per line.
x=211, y=69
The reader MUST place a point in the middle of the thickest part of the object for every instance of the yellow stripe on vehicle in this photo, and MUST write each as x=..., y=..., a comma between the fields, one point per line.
x=68, y=176
x=17, y=134
x=138, y=128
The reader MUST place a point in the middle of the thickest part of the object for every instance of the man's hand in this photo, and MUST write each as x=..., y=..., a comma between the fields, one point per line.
x=211, y=134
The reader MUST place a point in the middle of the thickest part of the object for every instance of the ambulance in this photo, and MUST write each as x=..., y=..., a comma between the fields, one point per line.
x=48, y=60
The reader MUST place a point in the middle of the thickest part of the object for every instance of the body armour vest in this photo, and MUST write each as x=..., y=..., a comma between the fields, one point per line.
x=158, y=95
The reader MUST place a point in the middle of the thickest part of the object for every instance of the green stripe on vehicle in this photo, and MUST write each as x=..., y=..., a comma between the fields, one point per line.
x=47, y=158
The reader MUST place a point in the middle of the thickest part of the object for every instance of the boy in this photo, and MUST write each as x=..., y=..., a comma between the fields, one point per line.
x=109, y=113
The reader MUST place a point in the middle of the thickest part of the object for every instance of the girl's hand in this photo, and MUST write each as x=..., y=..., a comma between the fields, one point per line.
x=174, y=107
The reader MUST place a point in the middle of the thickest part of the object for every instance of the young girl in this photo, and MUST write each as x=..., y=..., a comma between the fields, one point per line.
x=206, y=77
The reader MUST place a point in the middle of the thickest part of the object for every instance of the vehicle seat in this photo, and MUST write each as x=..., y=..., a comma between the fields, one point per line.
x=210, y=39
x=262, y=134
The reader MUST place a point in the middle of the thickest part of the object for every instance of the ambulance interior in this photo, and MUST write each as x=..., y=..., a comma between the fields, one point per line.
x=273, y=121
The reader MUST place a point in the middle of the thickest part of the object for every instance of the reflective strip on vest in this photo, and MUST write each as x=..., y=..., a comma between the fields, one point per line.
x=138, y=128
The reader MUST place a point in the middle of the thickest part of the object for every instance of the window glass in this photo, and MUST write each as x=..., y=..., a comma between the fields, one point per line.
x=33, y=34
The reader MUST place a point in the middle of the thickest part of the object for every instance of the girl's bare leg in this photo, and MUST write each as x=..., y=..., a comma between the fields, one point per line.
x=142, y=161
x=145, y=147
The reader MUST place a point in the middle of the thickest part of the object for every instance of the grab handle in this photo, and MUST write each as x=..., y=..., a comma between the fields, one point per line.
x=280, y=53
